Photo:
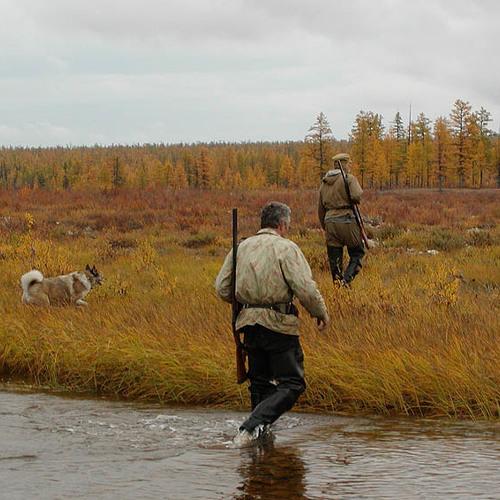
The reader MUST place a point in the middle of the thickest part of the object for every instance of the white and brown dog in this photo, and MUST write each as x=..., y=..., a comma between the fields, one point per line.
x=68, y=289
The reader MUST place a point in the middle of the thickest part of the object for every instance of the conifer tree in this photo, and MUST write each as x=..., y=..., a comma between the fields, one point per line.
x=442, y=149
x=319, y=145
x=179, y=177
x=474, y=151
x=421, y=133
x=205, y=174
x=397, y=149
x=117, y=179
x=287, y=171
x=65, y=182
x=459, y=117
x=306, y=175
x=367, y=149
x=485, y=154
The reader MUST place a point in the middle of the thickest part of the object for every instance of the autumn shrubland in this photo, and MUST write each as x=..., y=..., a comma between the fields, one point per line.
x=417, y=334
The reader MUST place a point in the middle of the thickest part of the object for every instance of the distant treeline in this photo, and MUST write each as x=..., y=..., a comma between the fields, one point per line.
x=455, y=151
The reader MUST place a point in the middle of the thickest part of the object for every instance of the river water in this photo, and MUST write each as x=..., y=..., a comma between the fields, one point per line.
x=59, y=447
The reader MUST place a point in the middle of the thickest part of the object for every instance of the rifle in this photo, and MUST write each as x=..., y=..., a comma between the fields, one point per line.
x=354, y=207
x=241, y=372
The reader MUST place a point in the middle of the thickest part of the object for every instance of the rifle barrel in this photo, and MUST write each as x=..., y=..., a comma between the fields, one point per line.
x=233, y=280
x=241, y=373
x=354, y=207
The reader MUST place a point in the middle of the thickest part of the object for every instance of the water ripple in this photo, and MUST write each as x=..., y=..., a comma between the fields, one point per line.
x=94, y=448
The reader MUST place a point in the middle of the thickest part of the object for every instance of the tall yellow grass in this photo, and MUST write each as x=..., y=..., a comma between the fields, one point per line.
x=418, y=334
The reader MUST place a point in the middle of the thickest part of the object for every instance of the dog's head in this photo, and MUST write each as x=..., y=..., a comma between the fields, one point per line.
x=93, y=276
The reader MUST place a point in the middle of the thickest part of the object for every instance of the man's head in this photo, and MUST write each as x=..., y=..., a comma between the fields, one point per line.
x=344, y=159
x=277, y=216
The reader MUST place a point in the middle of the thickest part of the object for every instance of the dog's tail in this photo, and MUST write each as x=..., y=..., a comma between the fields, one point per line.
x=30, y=278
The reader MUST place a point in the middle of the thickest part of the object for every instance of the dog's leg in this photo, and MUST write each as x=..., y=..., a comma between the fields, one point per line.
x=81, y=302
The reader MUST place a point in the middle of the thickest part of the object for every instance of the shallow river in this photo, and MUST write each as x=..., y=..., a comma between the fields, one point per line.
x=55, y=447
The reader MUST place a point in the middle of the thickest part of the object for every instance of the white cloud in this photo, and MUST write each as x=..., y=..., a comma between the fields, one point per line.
x=35, y=134
x=187, y=70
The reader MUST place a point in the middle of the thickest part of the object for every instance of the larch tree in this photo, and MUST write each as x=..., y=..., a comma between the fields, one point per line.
x=4, y=175
x=367, y=150
x=360, y=143
x=485, y=154
x=396, y=149
x=179, y=178
x=319, y=144
x=459, y=117
x=306, y=176
x=141, y=175
x=421, y=133
x=205, y=170
x=255, y=177
x=118, y=180
x=66, y=183
x=442, y=149
x=287, y=172
x=414, y=165
x=164, y=174
x=474, y=151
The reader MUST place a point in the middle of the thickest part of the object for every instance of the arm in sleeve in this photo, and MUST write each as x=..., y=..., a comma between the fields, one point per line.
x=224, y=279
x=298, y=275
x=321, y=211
x=355, y=189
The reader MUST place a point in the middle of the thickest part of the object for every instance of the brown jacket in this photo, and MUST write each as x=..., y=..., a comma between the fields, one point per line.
x=333, y=201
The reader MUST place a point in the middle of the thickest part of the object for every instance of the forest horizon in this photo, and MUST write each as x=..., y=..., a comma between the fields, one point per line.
x=458, y=150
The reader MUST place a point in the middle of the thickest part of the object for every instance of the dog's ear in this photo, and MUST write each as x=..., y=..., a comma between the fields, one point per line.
x=87, y=268
x=94, y=270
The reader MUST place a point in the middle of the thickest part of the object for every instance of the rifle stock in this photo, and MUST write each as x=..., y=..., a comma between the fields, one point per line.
x=354, y=207
x=241, y=372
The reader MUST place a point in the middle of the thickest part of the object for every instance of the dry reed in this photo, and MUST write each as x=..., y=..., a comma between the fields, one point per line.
x=418, y=334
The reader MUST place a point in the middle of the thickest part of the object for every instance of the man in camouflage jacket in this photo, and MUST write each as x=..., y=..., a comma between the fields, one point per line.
x=271, y=270
x=337, y=219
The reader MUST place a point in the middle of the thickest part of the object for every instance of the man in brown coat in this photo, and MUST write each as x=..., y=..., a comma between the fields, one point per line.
x=337, y=219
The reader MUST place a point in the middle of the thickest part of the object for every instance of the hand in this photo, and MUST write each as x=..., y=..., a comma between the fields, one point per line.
x=323, y=323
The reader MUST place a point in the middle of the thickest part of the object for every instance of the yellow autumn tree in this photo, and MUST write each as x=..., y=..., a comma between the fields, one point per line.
x=460, y=116
x=179, y=178
x=306, y=173
x=442, y=150
x=255, y=178
x=367, y=150
x=287, y=172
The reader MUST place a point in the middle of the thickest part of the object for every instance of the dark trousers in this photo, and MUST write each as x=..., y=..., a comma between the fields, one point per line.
x=335, y=255
x=276, y=373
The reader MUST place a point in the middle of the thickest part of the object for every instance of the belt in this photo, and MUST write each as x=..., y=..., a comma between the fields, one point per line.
x=345, y=219
x=286, y=308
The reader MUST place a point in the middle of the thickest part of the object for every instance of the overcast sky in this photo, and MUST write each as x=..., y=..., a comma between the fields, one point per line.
x=127, y=71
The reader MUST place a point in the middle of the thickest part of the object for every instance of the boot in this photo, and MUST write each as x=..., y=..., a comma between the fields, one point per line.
x=335, y=260
x=356, y=255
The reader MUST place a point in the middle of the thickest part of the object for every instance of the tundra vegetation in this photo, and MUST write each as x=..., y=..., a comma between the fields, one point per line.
x=417, y=334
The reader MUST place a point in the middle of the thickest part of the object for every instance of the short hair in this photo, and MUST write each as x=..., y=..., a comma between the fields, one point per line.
x=273, y=213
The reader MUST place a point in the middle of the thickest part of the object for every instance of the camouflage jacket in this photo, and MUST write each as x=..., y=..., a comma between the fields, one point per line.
x=333, y=201
x=270, y=269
